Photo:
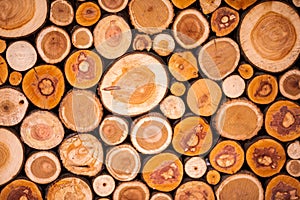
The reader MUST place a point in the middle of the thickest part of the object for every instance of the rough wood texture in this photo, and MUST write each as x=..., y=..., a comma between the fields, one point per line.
x=3, y=70
x=161, y=196
x=289, y=84
x=2, y=45
x=172, y=107
x=293, y=167
x=181, y=4
x=213, y=177
x=61, y=12
x=163, y=44
x=240, y=4
x=194, y=189
x=131, y=189
x=209, y=6
x=195, y=167
x=178, y=89
x=224, y=20
x=104, y=185
x=142, y=42
x=233, y=86
x=82, y=38
x=87, y=14
x=246, y=71
x=113, y=6
x=15, y=78
x=293, y=150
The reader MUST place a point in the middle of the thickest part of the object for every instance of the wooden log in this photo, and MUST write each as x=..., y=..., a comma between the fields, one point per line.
x=151, y=133
x=224, y=20
x=213, y=177
x=127, y=190
x=163, y=44
x=203, y=97
x=263, y=89
x=178, y=89
x=61, y=13
x=13, y=106
x=112, y=5
x=3, y=70
x=195, y=167
x=282, y=120
x=151, y=17
x=240, y=185
x=21, y=189
x=69, y=188
x=112, y=36
x=194, y=190
x=265, y=157
x=15, y=78
x=42, y=130
x=80, y=110
x=82, y=38
x=192, y=136
x=172, y=107
x=233, y=86
x=293, y=150
x=130, y=166
x=87, y=14
x=161, y=196
x=10, y=164
x=104, y=185
x=283, y=187
x=142, y=42
x=240, y=4
x=83, y=69
x=219, y=57
x=134, y=84
x=269, y=36
x=42, y=167
x=238, y=119
x=21, y=55
x=183, y=66
x=53, y=44
x=2, y=46
x=293, y=168
x=44, y=86
x=181, y=4
x=163, y=172
x=289, y=84
x=296, y=3
x=113, y=130
x=20, y=18
x=82, y=154
x=246, y=71
x=190, y=28
x=227, y=157
x=209, y=6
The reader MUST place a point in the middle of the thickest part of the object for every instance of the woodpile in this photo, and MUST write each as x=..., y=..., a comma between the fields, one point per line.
x=149, y=100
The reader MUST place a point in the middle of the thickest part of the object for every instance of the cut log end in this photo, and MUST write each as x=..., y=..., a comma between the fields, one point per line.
x=289, y=84
x=61, y=13
x=2, y=46
x=163, y=44
x=224, y=20
x=3, y=70
x=198, y=189
x=82, y=38
x=104, y=185
x=87, y=14
x=178, y=89
x=161, y=196
x=172, y=107
x=209, y=6
x=142, y=42
x=213, y=177
x=113, y=6
x=233, y=86
x=240, y=4
x=293, y=150
x=195, y=167
x=246, y=71
x=296, y=3
x=15, y=78
x=293, y=168
x=181, y=4
x=135, y=189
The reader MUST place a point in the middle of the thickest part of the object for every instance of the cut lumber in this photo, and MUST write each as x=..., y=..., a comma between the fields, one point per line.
x=209, y=6
x=282, y=120
x=190, y=28
x=2, y=46
x=163, y=172
x=80, y=110
x=112, y=36
x=87, y=14
x=10, y=164
x=233, y=86
x=163, y=44
x=42, y=130
x=172, y=107
x=134, y=84
x=219, y=57
x=161, y=196
x=53, y=44
x=238, y=119
x=246, y=71
x=194, y=190
x=44, y=86
x=82, y=154
x=13, y=106
x=181, y=4
x=178, y=89
x=61, y=13
x=289, y=84
x=15, y=78
x=293, y=150
x=104, y=185
x=268, y=36
x=224, y=20
x=142, y=42
x=151, y=16
x=132, y=189
x=3, y=70
x=22, y=17
x=83, y=69
x=293, y=168
x=195, y=167
x=151, y=133
x=113, y=6
x=213, y=177
x=240, y=4
x=82, y=38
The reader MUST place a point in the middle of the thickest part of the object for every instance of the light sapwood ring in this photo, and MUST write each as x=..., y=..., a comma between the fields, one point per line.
x=195, y=167
x=113, y=6
x=61, y=12
x=104, y=185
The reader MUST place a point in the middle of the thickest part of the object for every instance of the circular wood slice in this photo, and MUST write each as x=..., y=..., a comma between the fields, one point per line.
x=219, y=57
x=80, y=110
x=194, y=190
x=293, y=168
x=283, y=187
x=203, y=97
x=42, y=130
x=161, y=196
x=269, y=36
x=233, y=86
x=190, y=28
x=3, y=70
x=224, y=20
x=240, y=4
x=82, y=154
x=296, y=3
x=172, y=107
x=240, y=185
x=265, y=157
x=192, y=136
x=15, y=78
x=181, y=4
x=112, y=36
x=22, y=17
x=113, y=130
x=151, y=133
x=209, y=6
x=83, y=69
x=134, y=84
x=289, y=84
x=152, y=16
x=195, y=167
x=61, y=12
x=238, y=120
x=227, y=157
x=163, y=172
x=246, y=71
x=282, y=120
x=2, y=46
x=21, y=189
x=21, y=55
x=104, y=185
x=142, y=42
x=163, y=44
x=69, y=188
x=13, y=106
x=213, y=177
x=42, y=167
x=293, y=150
x=82, y=38
x=10, y=164
x=132, y=189
x=178, y=89
x=129, y=167
x=53, y=44
x=87, y=14
x=44, y=86
x=113, y=6
x=183, y=66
